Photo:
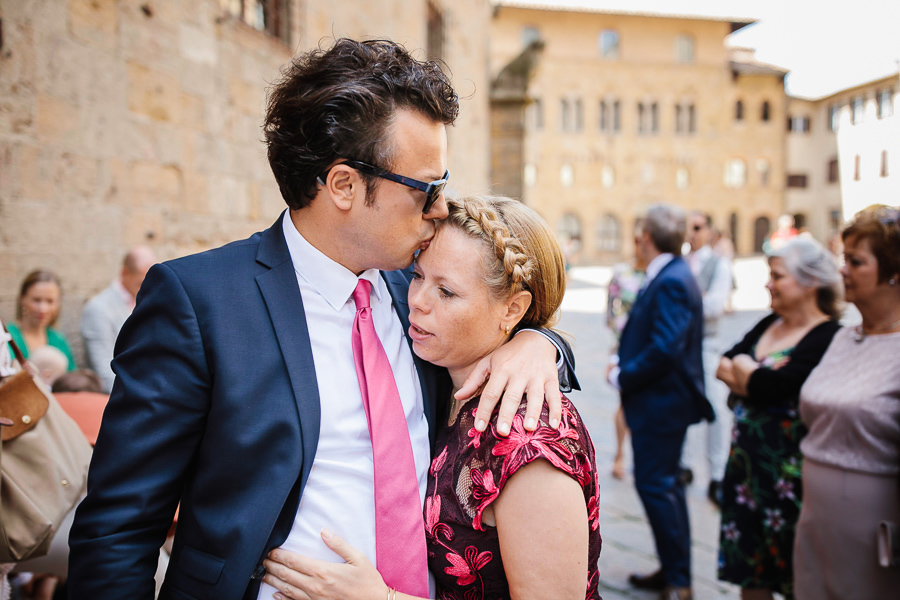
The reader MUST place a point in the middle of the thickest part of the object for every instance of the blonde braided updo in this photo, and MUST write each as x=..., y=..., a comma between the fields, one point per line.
x=521, y=252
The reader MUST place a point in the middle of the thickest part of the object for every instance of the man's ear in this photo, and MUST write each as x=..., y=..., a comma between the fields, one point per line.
x=342, y=185
x=516, y=307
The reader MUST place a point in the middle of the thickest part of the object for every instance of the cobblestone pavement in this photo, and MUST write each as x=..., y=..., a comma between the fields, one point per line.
x=627, y=542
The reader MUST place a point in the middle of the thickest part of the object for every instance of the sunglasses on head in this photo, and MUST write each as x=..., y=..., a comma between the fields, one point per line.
x=433, y=190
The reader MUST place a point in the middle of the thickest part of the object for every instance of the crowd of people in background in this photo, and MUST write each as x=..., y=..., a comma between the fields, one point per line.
x=808, y=487
x=81, y=392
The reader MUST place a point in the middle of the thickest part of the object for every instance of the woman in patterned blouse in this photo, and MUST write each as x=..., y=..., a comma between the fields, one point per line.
x=505, y=517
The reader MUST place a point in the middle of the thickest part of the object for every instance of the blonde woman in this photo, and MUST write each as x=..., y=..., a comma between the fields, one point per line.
x=505, y=518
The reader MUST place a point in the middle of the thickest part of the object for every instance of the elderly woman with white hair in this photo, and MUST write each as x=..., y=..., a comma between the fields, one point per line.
x=765, y=371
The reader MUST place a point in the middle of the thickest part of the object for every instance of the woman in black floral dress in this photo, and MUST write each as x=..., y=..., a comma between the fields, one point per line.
x=762, y=487
x=505, y=517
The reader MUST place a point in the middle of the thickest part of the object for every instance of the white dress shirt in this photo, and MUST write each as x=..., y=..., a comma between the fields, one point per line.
x=339, y=493
x=716, y=297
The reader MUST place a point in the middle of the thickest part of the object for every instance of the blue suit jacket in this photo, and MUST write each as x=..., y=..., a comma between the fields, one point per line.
x=660, y=354
x=215, y=405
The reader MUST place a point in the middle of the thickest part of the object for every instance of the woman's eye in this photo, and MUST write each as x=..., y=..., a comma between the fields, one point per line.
x=446, y=293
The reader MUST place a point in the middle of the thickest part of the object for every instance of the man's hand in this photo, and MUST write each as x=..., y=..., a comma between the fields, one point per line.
x=300, y=578
x=525, y=364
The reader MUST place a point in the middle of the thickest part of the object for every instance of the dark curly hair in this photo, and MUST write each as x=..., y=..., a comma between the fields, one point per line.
x=338, y=103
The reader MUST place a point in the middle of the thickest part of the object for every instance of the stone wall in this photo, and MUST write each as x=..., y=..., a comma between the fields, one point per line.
x=129, y=121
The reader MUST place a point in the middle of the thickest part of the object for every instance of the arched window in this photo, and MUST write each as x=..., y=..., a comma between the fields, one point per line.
x=765, y=113
x=608, y=237
x=739, y=110
x=569, y=227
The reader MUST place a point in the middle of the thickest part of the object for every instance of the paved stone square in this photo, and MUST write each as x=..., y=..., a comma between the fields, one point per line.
x=627, y=541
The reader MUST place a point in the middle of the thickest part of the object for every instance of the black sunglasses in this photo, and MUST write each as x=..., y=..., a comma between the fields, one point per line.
x=433, y=190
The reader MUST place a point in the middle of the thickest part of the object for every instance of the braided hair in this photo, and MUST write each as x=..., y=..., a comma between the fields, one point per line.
x=521, y=252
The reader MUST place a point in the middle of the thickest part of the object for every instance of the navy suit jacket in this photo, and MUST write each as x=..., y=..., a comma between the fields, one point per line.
x=215, y=405
x=660, y=354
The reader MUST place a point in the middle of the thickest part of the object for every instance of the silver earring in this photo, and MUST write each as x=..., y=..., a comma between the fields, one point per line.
x=893, y=281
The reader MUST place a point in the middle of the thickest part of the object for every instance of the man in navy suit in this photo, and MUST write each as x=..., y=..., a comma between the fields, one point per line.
x=236, y=395
x=659, y=371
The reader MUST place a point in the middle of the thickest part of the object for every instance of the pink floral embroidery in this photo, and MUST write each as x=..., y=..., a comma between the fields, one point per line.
x=438, y=462
x=484, y=491
x=432, y=519
x=466, y=568
x=594, y=513
x=522, y=447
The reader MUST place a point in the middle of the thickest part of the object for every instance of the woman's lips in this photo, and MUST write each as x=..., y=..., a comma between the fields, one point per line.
x=417, y=334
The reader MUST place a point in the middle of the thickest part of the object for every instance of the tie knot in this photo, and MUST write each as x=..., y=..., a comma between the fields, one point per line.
x=361, y=294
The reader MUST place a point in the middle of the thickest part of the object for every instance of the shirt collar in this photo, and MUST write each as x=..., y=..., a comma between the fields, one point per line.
x=333, y=281
x=126, y=296
x=658, y=264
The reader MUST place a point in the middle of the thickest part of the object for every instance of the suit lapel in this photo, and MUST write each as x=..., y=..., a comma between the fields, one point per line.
x=281, y=293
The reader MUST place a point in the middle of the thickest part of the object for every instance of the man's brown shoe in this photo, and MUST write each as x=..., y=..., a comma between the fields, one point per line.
x=676, y=593
x=653, y=581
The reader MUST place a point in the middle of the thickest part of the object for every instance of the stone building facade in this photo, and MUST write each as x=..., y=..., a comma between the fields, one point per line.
x=139, y=121
x=627, y=109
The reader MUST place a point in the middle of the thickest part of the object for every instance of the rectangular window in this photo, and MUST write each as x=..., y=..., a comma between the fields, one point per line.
x=856, y=168
x=529, y=35
x=796, y=181
x=885, y=103
x=834, y=117
x=579, y=115
x=608, y=42
x=857, y=110
x=654, y=117
x=833, y=170
x=684, y=49
x=609, y=116
x=884, y=163
x=798, y=124
x=271, y=16
x=642, y=123
x=685, y=118
x=564, y=115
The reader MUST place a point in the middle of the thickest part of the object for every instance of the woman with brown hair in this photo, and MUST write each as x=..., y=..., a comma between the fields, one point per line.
x=37, y=309
x=851, y=405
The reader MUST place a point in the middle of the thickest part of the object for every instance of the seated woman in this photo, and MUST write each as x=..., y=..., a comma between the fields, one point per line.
x=512, y=517
x=37, y=309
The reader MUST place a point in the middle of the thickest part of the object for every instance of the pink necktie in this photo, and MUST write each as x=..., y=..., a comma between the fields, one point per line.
x=400, y=551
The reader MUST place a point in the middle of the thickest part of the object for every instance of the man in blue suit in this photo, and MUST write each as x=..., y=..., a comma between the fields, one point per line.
x=659, y=371
x=236, y=395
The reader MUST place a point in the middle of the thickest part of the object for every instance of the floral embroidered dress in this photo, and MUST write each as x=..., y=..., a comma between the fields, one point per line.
x=761, y=491
x=468, y=474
